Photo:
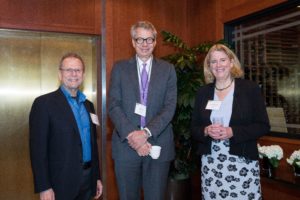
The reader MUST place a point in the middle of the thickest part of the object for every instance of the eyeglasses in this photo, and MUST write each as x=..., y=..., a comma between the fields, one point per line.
x=148, y=40
x=70, y=70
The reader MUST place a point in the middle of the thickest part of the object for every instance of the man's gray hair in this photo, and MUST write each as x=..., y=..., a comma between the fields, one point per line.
x=145, y=25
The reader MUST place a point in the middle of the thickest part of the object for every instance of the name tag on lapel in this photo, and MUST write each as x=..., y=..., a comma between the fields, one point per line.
x=213, y=105
x=95, y=119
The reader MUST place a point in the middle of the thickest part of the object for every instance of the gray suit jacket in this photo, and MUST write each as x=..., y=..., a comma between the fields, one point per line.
x=161, y=104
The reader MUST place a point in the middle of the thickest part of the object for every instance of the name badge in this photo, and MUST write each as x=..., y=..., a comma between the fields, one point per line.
x=95, y=119
x=213, y=105
x=140, y=109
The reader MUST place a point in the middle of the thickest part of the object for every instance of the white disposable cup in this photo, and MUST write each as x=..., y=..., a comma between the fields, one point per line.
x=155, y=152
x=217, y=120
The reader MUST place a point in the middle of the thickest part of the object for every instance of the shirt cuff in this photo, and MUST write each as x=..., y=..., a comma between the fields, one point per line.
x=148, y=132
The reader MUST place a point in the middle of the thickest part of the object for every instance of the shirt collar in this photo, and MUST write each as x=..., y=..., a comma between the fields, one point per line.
x=148, y=62
x=140, y=62
x=80, y=96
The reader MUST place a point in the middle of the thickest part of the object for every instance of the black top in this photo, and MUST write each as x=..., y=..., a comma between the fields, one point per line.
x=249, y=119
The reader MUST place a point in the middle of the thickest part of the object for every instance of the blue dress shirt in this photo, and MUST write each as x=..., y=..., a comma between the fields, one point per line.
x=83, y=121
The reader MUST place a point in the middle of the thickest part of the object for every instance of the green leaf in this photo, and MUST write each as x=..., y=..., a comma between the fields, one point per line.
x=274, y=162
x=189, y=70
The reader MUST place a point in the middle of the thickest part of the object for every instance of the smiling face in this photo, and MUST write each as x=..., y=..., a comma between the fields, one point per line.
x=145, y=49
x=71, y=74
x=220, y=65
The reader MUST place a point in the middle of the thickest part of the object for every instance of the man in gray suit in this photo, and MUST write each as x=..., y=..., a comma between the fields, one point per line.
x=142, y=102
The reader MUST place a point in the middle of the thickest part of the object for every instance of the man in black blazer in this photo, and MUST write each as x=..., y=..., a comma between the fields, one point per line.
x=63, y=146
x=141, y=114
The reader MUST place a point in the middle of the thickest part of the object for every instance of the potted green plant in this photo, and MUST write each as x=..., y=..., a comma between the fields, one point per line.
x=188, y=62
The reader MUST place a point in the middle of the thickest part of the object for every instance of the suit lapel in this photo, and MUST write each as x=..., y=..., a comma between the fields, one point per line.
x=154, y=80
x=236, y=101
x=133, y=78
x=209, y=96
x=66, y=109
x=92, y=126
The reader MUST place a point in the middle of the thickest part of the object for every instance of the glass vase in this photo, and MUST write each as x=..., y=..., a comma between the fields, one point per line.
x=267, y=169
x=297, y=171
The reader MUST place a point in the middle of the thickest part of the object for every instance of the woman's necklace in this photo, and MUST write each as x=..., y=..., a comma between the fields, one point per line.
x=221, y=89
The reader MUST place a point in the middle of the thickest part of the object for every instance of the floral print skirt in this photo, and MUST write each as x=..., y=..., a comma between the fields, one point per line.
x=226, y=176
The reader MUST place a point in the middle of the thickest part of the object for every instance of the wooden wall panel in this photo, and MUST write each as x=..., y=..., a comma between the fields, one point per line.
x=206, y=23
x=272, y=190
x=233, y=9
x=165, y=15
x=202, y=21
x=74, y=16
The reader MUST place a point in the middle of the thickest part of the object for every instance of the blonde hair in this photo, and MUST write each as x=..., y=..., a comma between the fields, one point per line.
x=145, y=25
x=236, y=71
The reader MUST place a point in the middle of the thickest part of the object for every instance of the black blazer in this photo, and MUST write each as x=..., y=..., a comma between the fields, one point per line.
x=55, y=146
x=249, y=119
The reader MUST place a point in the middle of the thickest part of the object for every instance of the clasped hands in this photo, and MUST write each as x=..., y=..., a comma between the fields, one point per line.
x=218, y=132
x=138, y=141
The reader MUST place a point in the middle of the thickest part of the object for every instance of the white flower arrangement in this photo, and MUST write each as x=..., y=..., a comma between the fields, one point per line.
x=273, y=152
x=294, y=159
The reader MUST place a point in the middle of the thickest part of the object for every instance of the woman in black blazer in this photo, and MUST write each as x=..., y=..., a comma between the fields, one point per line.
x=229, y=116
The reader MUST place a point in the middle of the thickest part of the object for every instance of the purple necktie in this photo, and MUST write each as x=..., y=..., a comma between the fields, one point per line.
x=144, y=78
x=144, y=83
